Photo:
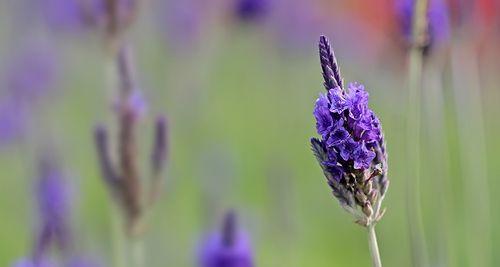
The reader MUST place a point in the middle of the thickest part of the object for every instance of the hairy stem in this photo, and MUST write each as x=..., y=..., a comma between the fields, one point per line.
x=372, y=242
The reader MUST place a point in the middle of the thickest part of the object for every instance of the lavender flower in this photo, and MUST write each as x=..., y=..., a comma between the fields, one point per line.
x=351, y=150
x=437, y=19
x=123, y=177
x=228, y=248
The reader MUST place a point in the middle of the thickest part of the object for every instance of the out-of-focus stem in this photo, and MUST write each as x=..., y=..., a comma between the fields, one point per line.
x=372, y=242
x=118, y=238
x=471, y=135
x=438, y=160
x=415, y=224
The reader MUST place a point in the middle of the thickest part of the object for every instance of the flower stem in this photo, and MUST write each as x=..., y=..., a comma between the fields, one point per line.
x=372, y=242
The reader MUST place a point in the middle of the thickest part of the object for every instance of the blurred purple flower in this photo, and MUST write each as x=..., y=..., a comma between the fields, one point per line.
x=53, y=203
x=248, y=10
x=228, y=248
x=437, y=19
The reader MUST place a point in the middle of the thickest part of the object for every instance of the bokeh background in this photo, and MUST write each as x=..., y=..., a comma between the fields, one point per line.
x=237, y=81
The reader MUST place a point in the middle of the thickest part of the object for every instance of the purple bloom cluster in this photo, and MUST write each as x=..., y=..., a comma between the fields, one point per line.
x=348, y=127
x=351, y=150
x=228, y=248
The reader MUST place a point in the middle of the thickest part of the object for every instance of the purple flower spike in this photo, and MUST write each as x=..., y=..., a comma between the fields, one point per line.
x=228, y=248
x=351, y=150
x=331, y=71
x=160, y=146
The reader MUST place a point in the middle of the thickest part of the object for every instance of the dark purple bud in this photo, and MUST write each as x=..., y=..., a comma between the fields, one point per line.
x=160, y=145
x=331, y=71
x=229, y=229
x=107, y=169
x=228, y=248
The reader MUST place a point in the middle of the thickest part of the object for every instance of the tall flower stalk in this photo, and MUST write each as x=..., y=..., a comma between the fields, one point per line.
x=351, y=150
x=419, y=42
x=123, y=177
x=120, y=170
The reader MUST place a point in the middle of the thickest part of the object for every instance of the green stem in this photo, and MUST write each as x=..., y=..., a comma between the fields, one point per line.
x=372, y=242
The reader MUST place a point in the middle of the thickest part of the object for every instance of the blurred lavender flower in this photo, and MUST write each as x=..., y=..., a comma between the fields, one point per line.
x=123, y=178
x=53, y=199
x=53, y=204
x=351, y=150
x=248, y=10
x=228, y=248
x=437, y=19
